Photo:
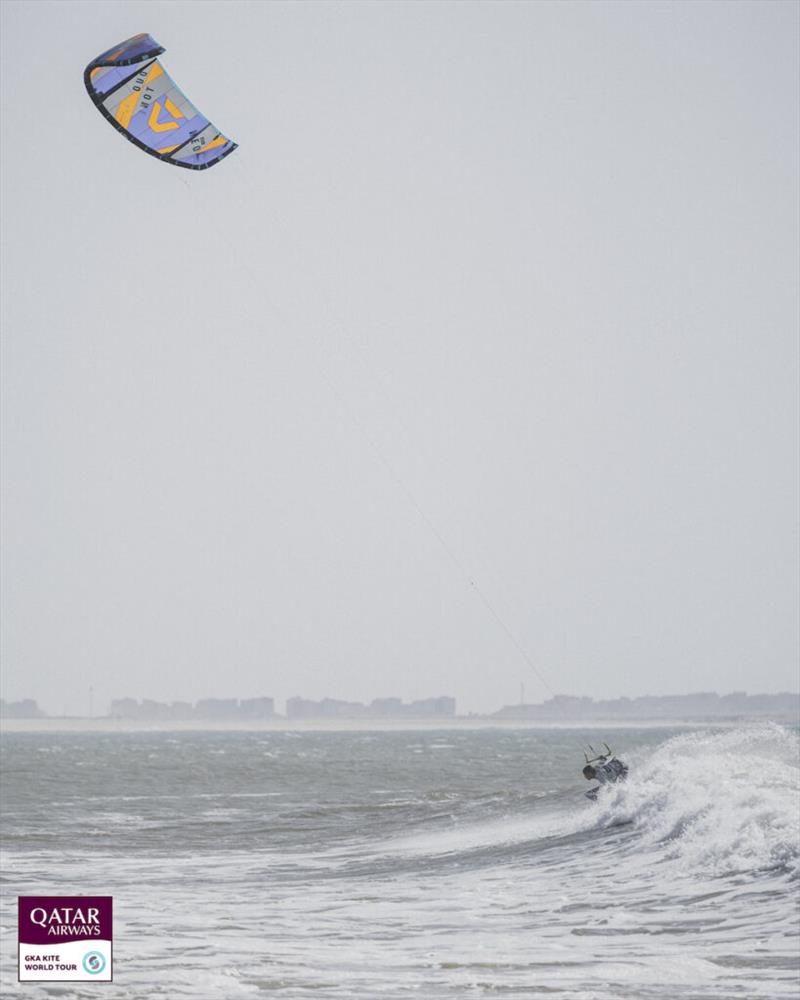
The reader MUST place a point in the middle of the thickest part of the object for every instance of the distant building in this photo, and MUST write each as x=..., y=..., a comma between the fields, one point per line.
x=24, y=709
x=300, y=708
x=443, y=707
x=387, y=708
x=154, y=710
x=207, y=709
x=125, y=708
x=217, y=708
x=327, y=708
x=181, y=710
x=337, y=709
x=379, y=708
x=257, y=708
x=702, y=705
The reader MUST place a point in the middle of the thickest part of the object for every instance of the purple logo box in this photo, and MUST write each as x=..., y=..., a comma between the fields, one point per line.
x=65, y=939
x=54, y=920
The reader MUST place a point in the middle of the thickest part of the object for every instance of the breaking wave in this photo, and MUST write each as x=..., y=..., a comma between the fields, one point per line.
x=717, y=803
x=708, y=803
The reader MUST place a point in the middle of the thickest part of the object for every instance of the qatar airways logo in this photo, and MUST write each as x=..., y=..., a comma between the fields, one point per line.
x=72, y=920
x=65, y=938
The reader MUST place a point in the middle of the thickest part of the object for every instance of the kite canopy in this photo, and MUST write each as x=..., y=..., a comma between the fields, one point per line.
x=131, y=88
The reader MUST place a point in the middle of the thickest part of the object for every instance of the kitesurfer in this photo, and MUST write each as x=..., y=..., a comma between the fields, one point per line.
x=606, y=769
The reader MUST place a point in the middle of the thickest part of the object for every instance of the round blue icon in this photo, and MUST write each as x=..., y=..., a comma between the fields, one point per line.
x=94, y=963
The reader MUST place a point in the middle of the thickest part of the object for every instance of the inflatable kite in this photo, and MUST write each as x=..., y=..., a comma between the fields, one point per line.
x=132, y=90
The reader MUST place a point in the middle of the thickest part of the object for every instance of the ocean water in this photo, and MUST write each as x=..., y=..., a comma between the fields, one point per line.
x=430, y=864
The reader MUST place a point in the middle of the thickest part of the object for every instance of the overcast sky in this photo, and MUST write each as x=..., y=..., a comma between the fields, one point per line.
x=519, y=276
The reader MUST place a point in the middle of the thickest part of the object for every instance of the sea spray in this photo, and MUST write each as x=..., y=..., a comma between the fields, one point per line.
x=716, y=802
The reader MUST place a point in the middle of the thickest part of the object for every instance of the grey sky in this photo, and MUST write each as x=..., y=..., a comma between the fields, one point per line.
x=537, y=261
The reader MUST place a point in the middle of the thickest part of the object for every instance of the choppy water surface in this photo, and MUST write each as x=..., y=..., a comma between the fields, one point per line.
x=433, y=864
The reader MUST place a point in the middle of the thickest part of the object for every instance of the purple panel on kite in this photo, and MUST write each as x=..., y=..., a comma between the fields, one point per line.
x=176, y=137
x=105, y=83
x=132, y=49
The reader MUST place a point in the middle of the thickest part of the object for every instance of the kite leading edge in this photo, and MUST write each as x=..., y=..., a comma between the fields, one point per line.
x=132, y=90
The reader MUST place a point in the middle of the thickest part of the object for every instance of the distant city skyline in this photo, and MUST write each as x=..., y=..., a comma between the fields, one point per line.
x=701, y=704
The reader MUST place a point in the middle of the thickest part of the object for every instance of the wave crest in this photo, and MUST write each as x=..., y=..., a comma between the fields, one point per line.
x=720, y=803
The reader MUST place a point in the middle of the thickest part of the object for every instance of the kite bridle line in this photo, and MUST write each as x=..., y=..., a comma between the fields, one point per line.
x=241, y=161
x=597, y=756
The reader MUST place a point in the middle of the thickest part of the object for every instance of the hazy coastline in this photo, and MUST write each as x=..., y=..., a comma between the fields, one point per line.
x=109, y=725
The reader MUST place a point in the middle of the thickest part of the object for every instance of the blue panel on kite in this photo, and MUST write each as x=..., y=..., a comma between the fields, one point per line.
x=133, y=91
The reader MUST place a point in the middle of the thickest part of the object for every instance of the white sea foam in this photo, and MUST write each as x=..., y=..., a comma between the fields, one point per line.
x=496, y=832
x=716, y=803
